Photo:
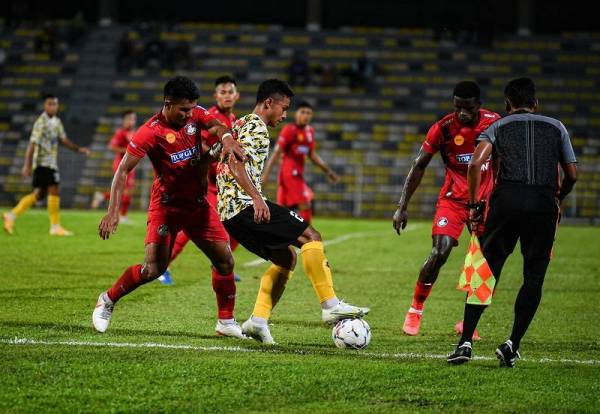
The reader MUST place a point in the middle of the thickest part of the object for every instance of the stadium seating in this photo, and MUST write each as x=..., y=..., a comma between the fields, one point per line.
x=369, y=133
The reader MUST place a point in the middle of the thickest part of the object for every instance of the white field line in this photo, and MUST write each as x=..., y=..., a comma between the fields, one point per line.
x=154, y=345
x=341, y=239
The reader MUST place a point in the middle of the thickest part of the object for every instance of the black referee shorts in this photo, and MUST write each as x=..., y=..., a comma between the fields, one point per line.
x=44, y=177
x=284, y=229
x=526, y=213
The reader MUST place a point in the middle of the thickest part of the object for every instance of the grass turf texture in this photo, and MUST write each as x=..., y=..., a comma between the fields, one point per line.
x=49, y=287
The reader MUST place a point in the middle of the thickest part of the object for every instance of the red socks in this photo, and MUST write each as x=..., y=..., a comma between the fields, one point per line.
x=224, y=287
x=306, y=214
x=233, y=243
x=129, y=281
x=422, y=290
x=125, y=203
x=180, y=242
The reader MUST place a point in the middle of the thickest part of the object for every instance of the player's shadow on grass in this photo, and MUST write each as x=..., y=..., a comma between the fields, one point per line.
x=113, y=332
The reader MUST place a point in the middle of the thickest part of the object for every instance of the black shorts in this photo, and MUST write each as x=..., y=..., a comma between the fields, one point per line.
x=44, y=177
x=284, y=229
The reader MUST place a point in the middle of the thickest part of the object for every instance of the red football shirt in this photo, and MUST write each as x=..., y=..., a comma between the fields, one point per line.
x=226, y=119
x=456, y=144
x=295, y=144
x=174, y=155
x=120, y=139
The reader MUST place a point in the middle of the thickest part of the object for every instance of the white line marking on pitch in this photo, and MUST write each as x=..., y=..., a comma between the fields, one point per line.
x=154, y=345
x=341, y=239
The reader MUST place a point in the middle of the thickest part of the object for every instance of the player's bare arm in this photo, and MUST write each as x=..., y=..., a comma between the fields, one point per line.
x=110, y=221
x=415, y=175
x=231, y=148
x=480, y=156
x=26, y=171
x=318, y=161
x=261, y=210
x=568, y=181
x=74, y=147
x=274, y=159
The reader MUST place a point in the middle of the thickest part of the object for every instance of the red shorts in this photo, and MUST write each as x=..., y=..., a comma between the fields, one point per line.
x=200, y=224
x=450, y=218
x=293, y=191
x=211, y=194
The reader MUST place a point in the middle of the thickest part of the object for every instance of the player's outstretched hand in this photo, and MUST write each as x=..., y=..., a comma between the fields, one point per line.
x=400, y=219
x=85, y=151
x=231, y=149
x=261, y=211
x=108, y=225
x=333, y=177
x=26, y=171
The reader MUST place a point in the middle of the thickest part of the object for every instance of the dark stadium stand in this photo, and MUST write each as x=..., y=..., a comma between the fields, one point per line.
x=369, y=133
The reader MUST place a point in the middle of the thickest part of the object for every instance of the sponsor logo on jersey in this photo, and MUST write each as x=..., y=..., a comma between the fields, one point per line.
x=170, y=137
x=184, y=155
x=489, y=116
x=464, y=158
x=190, y=129
x=459, y=140
x=442, y=222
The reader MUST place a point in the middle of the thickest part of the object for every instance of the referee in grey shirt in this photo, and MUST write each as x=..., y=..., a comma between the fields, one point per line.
x=524, y=205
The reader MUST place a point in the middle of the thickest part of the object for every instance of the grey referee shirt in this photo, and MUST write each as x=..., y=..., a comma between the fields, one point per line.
x=530, y=148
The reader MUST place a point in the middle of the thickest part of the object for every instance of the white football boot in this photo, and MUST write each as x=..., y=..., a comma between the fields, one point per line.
x=257, y=331
x=233, y=330
x=341, y=311
x=102, y=312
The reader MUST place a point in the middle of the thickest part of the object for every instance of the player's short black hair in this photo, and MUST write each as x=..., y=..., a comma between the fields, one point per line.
x=520, y=92
x=49, y=96
x=225, y=79
x=273, y=88
x=181, y=87
x=304, y=104
x=127, y=112
x=467, y=90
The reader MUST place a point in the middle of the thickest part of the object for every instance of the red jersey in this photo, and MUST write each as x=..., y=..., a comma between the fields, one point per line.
x=226, y=119
x=174, y=154
x=456, y=144
x=120, y=139
x=295, y=144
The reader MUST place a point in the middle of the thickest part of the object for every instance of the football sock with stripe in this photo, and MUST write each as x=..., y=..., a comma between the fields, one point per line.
x=422, y=291
x=225, y=289
x=129, y=281
x=272, y=285
x=318, y=271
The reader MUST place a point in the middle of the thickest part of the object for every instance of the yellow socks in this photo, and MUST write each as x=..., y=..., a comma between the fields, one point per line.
x=272, y=286
x=24, y=204
x=53, y=206
x=316, y=267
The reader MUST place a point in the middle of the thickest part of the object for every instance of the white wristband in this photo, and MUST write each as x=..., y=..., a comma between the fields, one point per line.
x=225, y=134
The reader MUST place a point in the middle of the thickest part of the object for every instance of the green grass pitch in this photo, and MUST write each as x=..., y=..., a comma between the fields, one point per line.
x=49, y=286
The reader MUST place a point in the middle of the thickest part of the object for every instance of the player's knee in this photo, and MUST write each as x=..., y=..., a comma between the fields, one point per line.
x=153, y=270
x=312, y=235
x=225, y=266
x=439, y=256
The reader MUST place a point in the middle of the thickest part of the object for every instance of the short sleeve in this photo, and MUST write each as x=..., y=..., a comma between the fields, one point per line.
x=489, y=134
x=61, y=130
x=433, y=140
x=36, y=132
x=202, y=116
x=567, y=155
x=285, y=138
x=141, y=142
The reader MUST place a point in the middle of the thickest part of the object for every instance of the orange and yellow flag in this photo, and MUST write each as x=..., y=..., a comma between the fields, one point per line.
x=476, y=278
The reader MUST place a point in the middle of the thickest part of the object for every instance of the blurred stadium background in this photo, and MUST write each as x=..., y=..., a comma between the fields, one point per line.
x=379, y=74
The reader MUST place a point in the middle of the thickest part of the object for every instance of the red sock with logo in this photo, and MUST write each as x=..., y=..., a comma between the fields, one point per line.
x=128, y=282
x=422, y=290
x=224, y=287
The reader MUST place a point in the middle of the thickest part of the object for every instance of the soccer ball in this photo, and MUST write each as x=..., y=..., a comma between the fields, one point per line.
x=351, y=333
